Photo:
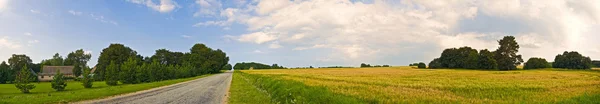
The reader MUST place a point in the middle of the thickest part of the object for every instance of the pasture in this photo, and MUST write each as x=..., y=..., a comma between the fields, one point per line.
x=410, y=85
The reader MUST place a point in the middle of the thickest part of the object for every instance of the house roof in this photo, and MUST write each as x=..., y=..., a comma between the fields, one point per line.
x=51, y=70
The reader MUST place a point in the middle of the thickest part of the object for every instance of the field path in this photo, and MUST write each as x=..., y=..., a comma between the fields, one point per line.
x=207, y=90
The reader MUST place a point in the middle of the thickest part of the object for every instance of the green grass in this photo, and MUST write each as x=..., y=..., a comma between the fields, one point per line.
x=43, y=93
x=409, y=85
x=282, y=91
x=242, y=92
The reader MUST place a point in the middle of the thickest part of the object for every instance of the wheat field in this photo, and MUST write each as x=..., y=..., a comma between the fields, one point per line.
x=410, y=85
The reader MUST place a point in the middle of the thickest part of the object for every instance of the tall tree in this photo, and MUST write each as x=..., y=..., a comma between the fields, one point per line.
x=435, y=64
x=116, y=53
x=506, y=55
x=17, y=62
x=58, y=82
x=78, y=59
x=227, y=67
x=572, y=60
x=486, y=60
x=536, y=63
x=128, y=70
x=5, y=73
x=23, y=79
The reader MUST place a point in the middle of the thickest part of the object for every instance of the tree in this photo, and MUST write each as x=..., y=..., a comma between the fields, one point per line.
x=116, y=53
x=78, y=59
x=422, y=65
x=464, y=57
x=112, y=74
x=17, y=62
x=363, y=65
x=227, y=67
x=5, y=73
x=128, y=70
x=435, y=64
x=486, y=60
x=58, y=83
x=595, y=63
x=536, y=63
x=572, y=60
x=506, y=55
x=87, y=81
x=23, y=80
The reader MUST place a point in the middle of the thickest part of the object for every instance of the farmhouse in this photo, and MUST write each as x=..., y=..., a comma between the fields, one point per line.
x=48, y=72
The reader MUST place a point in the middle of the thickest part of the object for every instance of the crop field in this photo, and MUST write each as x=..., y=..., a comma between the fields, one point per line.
x=43, y=92
x=409, y=85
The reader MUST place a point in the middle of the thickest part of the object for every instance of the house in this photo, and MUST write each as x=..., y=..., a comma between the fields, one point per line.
x=48, y=72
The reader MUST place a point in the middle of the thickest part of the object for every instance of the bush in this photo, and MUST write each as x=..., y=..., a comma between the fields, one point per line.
x=422, y=65
x=572, y=60
x=86, y=81
x=536, y=63
x=435, y=64
x=58, y=83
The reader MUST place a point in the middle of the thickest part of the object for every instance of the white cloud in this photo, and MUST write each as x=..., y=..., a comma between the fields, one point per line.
x=27, y=34
x=275, y=45
x=102, y=19
x=34, y=11
x=6, y=43
x=165, y=6
x=258, y=51
x=186, y=36
x=76, y=13
x=257, y=37
x=208, y=8
x=3, y=5
x=268, y=6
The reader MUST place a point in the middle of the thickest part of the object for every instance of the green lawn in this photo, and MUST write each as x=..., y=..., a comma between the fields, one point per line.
x=43, y=93
x=409, y=85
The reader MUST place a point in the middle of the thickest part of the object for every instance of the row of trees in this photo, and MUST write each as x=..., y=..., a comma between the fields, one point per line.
x=119, y=63
x=504, y=58
x=363, y=65
x=255, y=65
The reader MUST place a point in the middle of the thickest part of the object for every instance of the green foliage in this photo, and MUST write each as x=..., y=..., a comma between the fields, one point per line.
x=115, y=53
x=227, y=67
x=23, y=80
x=254, y=65
x=362, y=65
x=595, y=63
x=78, y=59
x=17, y=62
x=5, y=73
x=413, y=64
x=58, y=83
x=572, y=60
x=128, y=70
x=435, y=64
x=422, y=65
x=56, y=60
x=87, y=80
x=486, y=60
x=112, y=74
x=536, y=63
x=506, y=55
x=464, y=57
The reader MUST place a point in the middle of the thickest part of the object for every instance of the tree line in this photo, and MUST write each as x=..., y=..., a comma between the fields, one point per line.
x=363, y=65
x=504, y=58
x=255, y=65
x=10, y=70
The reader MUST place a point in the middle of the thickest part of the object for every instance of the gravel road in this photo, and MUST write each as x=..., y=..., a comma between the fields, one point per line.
x=207, y=90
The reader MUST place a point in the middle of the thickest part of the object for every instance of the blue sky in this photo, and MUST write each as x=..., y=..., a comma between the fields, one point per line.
x=301, y=32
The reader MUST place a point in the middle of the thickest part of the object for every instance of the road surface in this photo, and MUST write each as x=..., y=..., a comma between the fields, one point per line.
x=207, y=90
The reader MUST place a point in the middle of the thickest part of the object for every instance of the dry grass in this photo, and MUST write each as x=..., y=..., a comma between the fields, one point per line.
x=409, y=85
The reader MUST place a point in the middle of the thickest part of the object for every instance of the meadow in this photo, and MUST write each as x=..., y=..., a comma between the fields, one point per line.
x=410, y=85
x=43, y=93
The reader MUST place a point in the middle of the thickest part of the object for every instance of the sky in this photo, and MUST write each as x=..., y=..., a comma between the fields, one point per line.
x=300, y=33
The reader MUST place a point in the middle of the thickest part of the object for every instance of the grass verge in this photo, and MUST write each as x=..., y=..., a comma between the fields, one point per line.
x=284, y=91
x=43, y=93
x=242, y=92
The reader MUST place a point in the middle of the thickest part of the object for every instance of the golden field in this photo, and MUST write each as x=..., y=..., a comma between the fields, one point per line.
x=410, y=85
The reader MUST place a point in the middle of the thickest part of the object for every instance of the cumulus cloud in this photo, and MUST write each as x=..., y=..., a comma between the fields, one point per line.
x=384, y=28
x=164, y=6
x=208, y=7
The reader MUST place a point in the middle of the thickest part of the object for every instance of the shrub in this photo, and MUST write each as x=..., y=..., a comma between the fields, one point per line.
x=536, y=63
x=58, y=83
x=23, y=80
x=86, y=81
x=422, y=65
x=112, y=74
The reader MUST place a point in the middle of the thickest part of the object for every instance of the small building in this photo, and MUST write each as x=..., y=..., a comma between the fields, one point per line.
x=48, y=72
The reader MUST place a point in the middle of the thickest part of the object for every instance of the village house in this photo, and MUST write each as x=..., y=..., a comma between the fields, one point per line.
x=48, y=72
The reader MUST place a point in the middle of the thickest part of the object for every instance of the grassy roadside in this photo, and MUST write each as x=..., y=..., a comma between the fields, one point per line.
x=242, y=92
x=43, y=93
x=281, y=91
